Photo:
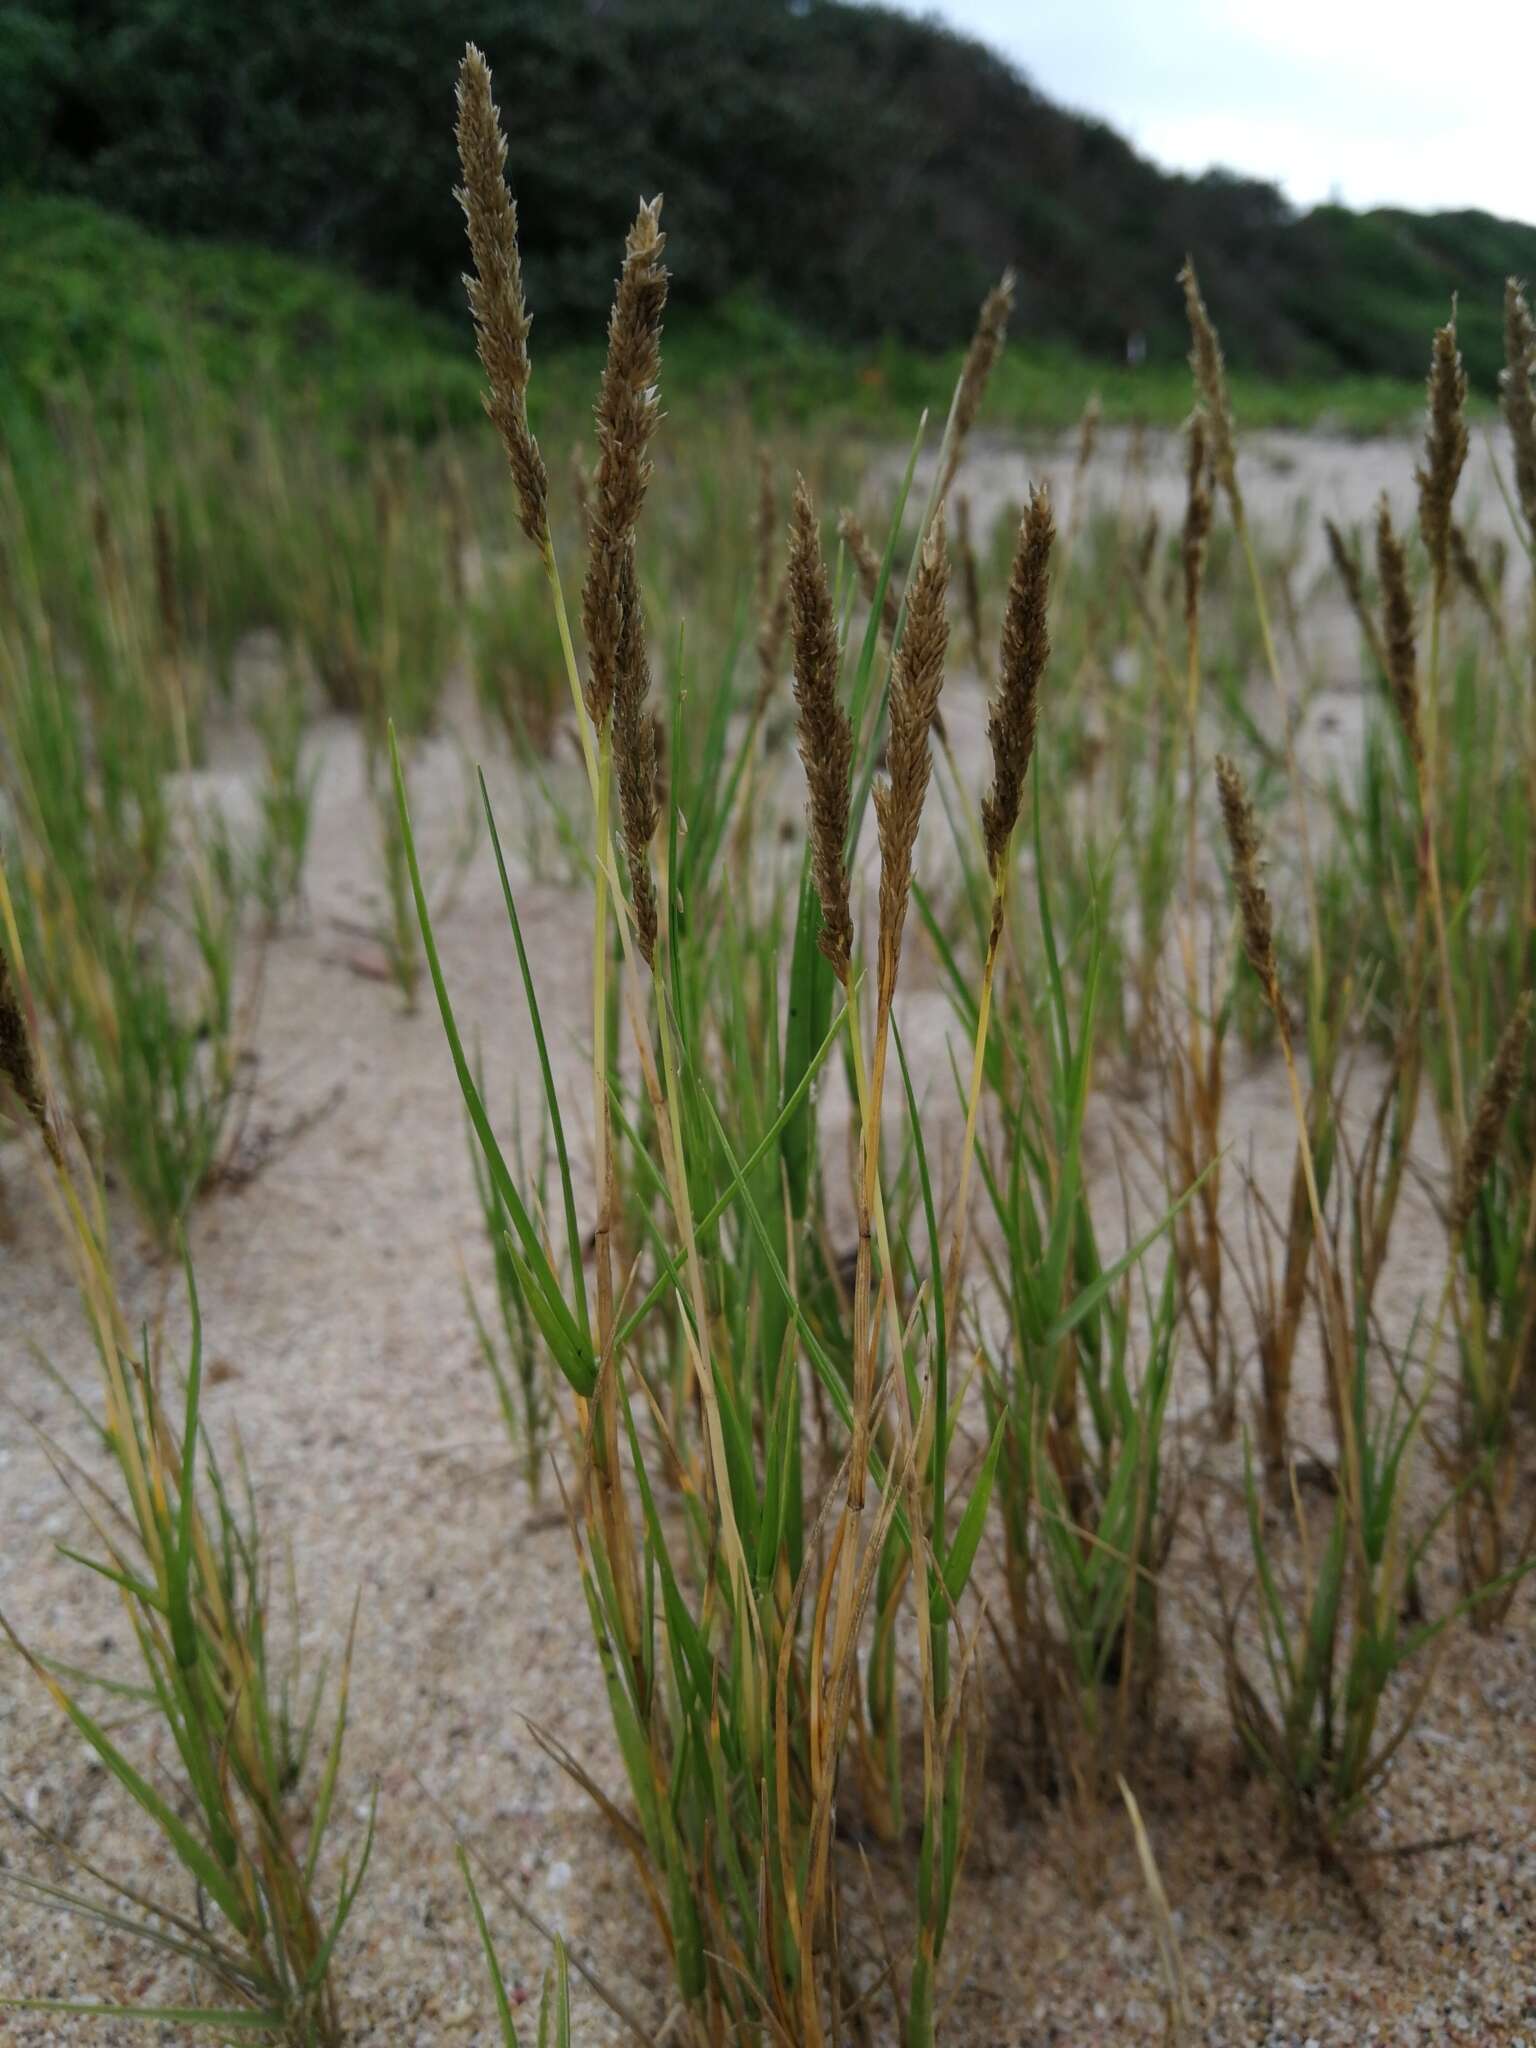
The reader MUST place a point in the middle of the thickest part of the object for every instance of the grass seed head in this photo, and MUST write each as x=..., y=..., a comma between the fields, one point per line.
x=1347, y=563
x=1517, y=394
x=917, y=676
x=1398, y=642
x=628, y=410
x=980, y=360
x=496, y=289
x=1197, y=514
x=18, y=1067
x=1470, y=575
x=1252, y=902
x=1345, y=554
x=867, y=563
x=1022, y=656
x=1445, y=449
x=1500, y=1086
x=634, y=754
x=1210, y=372
x=825, y=733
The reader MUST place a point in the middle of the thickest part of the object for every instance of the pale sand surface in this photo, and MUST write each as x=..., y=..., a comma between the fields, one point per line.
x=333, y=1304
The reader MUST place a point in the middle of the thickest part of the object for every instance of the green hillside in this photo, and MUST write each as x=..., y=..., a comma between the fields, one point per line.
x=862, y=174
x=92, y=301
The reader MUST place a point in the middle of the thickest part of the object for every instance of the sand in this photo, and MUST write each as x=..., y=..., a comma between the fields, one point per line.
x=332, y=1295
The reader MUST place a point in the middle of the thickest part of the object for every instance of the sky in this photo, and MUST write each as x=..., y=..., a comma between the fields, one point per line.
x=1429, y=107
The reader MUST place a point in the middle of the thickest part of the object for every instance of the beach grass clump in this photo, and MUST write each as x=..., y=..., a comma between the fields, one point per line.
x=236, y=1724
x=734, y=1764
x=130, y=919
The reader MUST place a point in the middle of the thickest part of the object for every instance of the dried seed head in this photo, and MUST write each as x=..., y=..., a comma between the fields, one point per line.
x=1022, y=655
x=1470, y=575
x=826, y=736
x=634, y=755
x=1500, y=1085
x=867, y=563
x=1347, y=564
x=1210, y=371
x=18, y=1067
x=1397, y=632
x=1517, y=394
x=1252, y=902
x=970, y=585
x=1346, y=561
x=917, y=676
x=628, y=409
x=1197, y=515
x=1445, y=449
x=980, y=360
x=496, y=289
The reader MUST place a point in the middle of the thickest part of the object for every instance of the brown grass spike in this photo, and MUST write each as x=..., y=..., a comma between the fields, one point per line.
x=867, y=563
x=1517, y=394
x=1210, y=372
x=1397, y=632
x=1252, y=902
x=1022, y=656
x=496, y=289
x=1445, y=449
x=1500, y=1085
x=1197, y=515
x=917, y=676
x=628, y=409
x=826, y=736
x=980, y=361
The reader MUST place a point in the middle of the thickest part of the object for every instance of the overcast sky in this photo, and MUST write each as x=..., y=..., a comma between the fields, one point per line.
x=1406, y=104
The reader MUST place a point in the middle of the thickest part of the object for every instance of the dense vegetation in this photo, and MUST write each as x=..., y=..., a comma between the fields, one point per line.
x=93, y=303
x=865, y=174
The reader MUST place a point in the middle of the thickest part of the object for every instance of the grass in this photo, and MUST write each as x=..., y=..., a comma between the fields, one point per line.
x=193, y=1579
x=841, y=1400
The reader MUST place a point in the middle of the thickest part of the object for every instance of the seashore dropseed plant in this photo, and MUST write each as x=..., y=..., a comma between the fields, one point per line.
x=231, y=1726
x=729, y=1607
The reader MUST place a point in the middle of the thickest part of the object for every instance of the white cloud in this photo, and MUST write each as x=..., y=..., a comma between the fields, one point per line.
x=1402, y=104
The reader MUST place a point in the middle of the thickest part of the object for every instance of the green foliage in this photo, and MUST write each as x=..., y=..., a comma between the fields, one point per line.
x=88, y=297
